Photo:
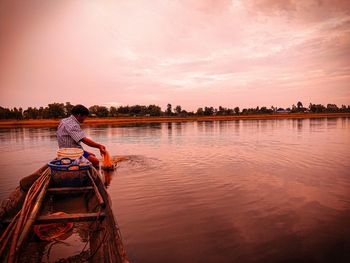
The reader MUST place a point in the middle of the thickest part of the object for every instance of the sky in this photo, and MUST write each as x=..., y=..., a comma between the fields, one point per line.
x=192, y=53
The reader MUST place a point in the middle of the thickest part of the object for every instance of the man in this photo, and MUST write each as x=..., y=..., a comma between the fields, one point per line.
x=70, y=134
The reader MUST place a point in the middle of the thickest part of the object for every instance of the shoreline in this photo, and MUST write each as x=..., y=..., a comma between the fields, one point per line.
x=139, y=120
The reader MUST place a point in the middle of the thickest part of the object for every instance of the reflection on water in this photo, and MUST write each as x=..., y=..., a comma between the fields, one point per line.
x=228, y=191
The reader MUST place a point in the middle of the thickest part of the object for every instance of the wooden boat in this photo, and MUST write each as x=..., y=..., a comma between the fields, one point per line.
x=87, y=206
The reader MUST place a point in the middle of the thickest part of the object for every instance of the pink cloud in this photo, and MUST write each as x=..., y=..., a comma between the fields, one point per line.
x=186, y=52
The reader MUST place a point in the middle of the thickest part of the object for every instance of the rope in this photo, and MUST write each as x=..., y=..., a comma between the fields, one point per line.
x=98, y=247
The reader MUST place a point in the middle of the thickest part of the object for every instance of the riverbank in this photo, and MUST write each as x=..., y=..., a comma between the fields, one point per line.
x=137, y=120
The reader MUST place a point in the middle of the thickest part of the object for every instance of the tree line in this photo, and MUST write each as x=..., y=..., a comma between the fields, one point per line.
x=61, y=110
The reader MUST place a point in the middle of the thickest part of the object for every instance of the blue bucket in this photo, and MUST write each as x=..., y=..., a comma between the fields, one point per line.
x=66, y=164
x=65, y=173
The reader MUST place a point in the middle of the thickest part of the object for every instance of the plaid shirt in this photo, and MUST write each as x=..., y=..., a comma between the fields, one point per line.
x=69, y=133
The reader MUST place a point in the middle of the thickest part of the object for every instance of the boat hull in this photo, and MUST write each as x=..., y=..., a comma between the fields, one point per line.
x=87, y=205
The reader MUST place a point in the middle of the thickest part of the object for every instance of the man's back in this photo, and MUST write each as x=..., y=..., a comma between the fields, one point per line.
x=69, y=133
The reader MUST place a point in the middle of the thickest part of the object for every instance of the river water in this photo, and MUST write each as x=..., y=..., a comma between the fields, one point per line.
x=222, y=191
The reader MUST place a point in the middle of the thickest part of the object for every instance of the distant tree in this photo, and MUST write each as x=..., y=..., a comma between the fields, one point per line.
x=178, y=109
x=229, y=111
x=184, y=113
x=31, y=113
x=43, y=112
x=5, y=113
x=102, y=111
x=68, y=108
x=221, y=111
x=332, y=108
x=208, y=111
x=16, y=113
x=99, y=111
x=344, y=108
x=299, y=105
x=169, y=109
x=312, y=107
x=93, y=110
x=317, y=108
x=123, y=109
x=20, y=113
x=154, y=110
x=264, y=110
x=139, y=110
x=55, y=110
x=200, y=111
x=135, y=109
x=113, y=111
x=59, y=110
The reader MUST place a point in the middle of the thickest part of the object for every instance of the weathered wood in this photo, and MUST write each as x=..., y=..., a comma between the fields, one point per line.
x=97, y=192
x=30, y=197
x=81, y=217
x=105, y=242
x=11, y=205
x=110, y=242
x=7, y=234
x=33, y=214
x=70, y=190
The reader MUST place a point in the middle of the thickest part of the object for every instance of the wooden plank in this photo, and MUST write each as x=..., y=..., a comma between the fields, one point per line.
x=48, y=219
x=70, y=190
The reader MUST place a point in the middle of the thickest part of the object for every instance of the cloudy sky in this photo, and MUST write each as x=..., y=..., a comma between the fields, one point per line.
x=185, y=52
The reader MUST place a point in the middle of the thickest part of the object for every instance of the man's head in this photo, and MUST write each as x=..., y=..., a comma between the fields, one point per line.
x=80, y=112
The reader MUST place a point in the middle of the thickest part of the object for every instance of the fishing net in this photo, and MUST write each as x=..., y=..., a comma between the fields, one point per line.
x=106, y=162
x=53, y=231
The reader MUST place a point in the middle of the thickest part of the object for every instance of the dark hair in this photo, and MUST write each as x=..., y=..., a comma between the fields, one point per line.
x=80, y=110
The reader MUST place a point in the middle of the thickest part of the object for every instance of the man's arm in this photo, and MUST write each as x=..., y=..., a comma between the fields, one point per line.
x=93, y=144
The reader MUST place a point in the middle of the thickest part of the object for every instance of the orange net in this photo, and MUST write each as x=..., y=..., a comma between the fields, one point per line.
x=53, y=231
x=107, y=160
